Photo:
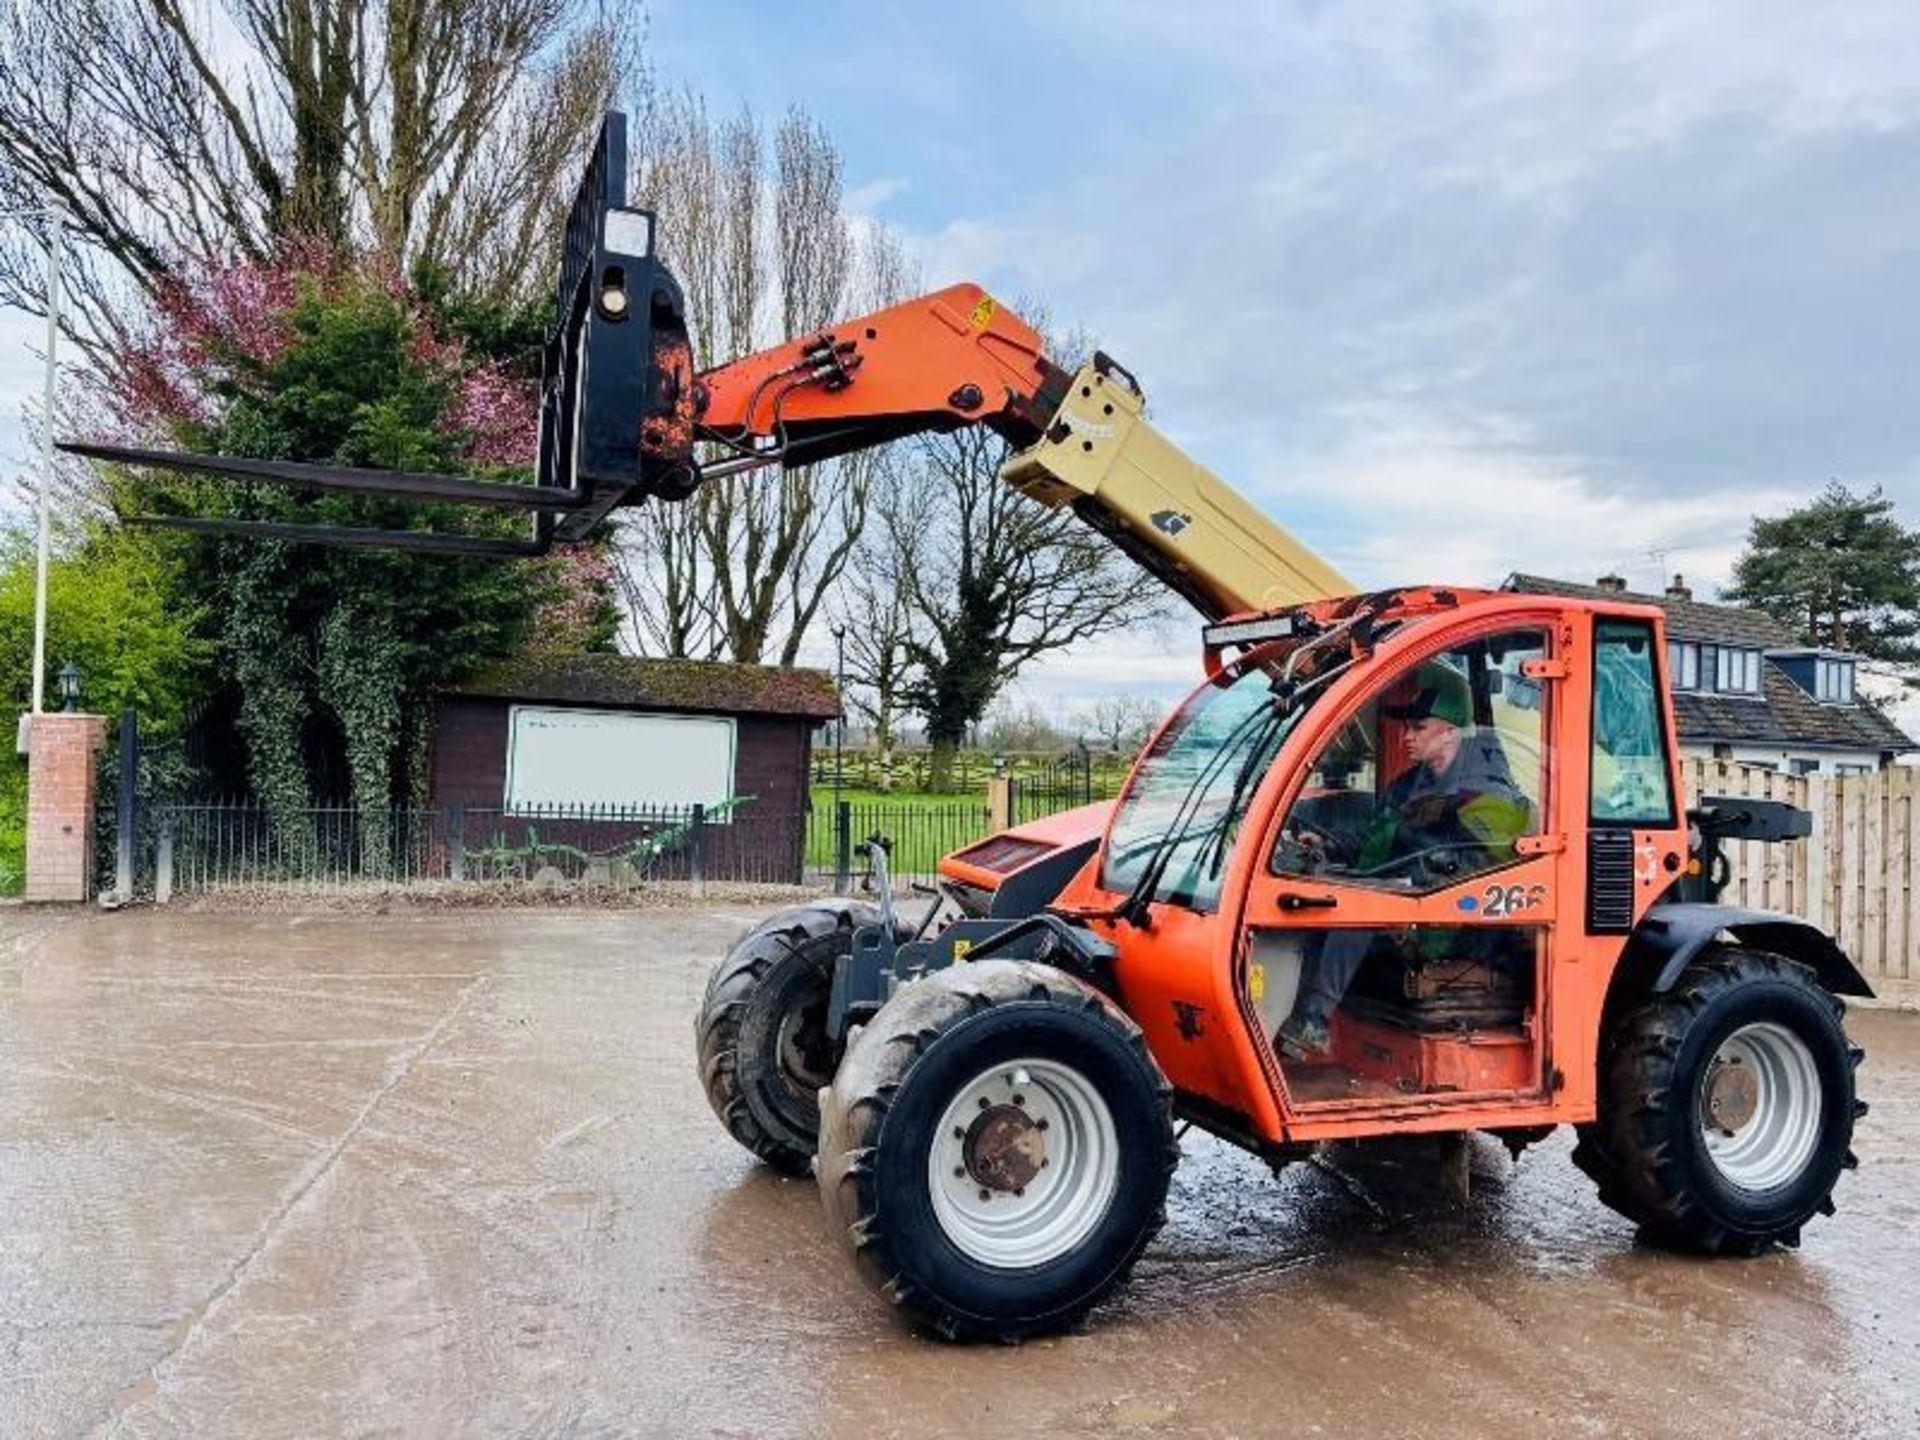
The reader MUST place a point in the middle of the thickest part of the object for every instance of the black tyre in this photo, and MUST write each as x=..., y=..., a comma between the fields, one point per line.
x=996, y=1148
x=1726, y=1106
x=761, y=1030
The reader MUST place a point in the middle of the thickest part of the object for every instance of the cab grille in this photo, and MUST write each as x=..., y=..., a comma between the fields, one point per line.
x=1609, y=882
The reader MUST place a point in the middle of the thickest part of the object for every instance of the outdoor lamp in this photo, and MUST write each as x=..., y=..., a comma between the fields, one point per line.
x=70, y=686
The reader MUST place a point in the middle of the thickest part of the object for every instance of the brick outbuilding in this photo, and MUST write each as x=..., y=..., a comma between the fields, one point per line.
x=540, y=732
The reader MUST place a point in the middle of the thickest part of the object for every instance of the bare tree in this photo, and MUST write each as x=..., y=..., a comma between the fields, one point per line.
x=1125, y=721
x=442, y=131
x=996, y=581
x=741, y=570
x=879, y=624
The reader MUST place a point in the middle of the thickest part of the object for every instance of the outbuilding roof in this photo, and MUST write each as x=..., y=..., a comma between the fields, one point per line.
x=713, y=687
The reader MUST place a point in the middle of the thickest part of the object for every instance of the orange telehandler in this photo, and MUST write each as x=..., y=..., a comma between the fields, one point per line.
x=1414, y=861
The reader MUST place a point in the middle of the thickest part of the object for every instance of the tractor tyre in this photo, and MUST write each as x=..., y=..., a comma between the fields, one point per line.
x=1726, y=1106
x=761, y=1029
x=995, y=1150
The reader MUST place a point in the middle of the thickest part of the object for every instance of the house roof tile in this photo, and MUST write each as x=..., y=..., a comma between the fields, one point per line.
x=1686, y=619
x=1784, y=714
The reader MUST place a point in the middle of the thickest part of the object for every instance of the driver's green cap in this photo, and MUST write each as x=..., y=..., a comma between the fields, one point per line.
x=1433, y=692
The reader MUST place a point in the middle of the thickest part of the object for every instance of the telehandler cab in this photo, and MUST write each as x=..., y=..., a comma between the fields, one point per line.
x=1407, y=862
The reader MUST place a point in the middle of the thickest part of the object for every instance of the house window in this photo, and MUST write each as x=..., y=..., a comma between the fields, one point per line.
x=1739, y=672
x=1721, y=669
x=1852, y=769
x=1683, y=664
x=1805, y=767
x=1833, y=681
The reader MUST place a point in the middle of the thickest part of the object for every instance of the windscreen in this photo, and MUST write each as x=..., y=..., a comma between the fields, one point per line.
x=1191, y=789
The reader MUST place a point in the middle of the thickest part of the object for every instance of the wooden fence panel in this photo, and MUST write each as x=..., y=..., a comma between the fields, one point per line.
x=1899, y=869
x=1857, y=876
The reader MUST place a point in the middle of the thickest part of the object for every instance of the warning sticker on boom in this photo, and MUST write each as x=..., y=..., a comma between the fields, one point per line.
x=982, y=315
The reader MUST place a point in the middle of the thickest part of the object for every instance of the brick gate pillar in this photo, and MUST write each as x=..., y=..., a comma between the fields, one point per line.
x=60, y=792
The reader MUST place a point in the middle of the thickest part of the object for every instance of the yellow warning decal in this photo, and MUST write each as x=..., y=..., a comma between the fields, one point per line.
x=960, y=949
x=1257, y=981
x=982, y=315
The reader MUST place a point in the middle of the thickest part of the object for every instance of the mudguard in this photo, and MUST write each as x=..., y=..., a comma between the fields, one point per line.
x=1669, y=936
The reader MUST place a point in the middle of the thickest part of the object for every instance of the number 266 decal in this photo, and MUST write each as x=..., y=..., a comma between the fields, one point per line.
x=1500, y=901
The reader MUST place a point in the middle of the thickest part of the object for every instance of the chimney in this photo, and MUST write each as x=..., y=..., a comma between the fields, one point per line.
x=1616, y=583
x=1679, y=589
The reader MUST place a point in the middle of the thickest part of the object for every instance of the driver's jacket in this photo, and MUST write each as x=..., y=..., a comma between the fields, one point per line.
x=1468, y=815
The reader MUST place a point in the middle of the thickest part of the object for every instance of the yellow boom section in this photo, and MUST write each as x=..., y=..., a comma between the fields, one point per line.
x=1174, y=517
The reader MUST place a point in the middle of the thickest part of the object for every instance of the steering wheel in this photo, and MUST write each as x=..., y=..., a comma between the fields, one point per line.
x=1436, y=862
x=1315, y=845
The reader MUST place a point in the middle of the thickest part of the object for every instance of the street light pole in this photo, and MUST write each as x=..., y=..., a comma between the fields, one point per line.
x=840, y=727
x=56, y=222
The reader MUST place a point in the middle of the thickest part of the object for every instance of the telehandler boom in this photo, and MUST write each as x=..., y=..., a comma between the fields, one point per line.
x=1415, y=862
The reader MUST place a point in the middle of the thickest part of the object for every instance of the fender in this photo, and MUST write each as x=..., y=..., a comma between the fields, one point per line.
x=1669, y=936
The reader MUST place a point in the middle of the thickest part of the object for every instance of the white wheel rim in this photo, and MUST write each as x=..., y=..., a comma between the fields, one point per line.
x=1759, y=1106
x=1059, y=1144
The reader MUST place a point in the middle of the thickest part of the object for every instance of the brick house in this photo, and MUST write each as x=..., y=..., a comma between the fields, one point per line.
x=1744, y=689
x=541, y=734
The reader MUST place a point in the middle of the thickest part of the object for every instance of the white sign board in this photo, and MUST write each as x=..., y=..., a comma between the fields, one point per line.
x=609, y=757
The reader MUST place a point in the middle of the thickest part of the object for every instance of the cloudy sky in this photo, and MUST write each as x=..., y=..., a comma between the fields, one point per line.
x=1451, y=290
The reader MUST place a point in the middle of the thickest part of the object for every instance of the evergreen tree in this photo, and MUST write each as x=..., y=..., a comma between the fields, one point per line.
x=1841, y=571
x=329, y=360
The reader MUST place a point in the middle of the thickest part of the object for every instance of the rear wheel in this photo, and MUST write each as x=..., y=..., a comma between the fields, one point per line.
x=1727, y=1106
x=996, y=1150
x=761, y=1032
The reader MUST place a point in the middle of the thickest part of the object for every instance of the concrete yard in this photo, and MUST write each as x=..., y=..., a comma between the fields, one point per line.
x=452, y=1174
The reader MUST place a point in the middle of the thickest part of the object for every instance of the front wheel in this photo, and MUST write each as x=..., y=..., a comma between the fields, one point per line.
x=761, y=1031
x=996, y=1149
x=1727, y=1107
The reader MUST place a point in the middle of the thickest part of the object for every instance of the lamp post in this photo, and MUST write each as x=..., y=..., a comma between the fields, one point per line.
x=56, y=234
x=840, y=726
x=70, y=687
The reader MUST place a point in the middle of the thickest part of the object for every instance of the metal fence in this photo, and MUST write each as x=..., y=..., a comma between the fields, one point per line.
x=240, y=845
x=1057, y=785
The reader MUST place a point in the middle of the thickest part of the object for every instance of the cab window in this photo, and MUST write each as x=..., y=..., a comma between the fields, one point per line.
x=1632, y=784
x=1434, y=779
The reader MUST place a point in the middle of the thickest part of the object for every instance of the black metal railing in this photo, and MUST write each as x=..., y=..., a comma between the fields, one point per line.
x=205, y=847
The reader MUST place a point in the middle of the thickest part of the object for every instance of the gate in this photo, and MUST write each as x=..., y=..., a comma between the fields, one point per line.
x=1058, y=785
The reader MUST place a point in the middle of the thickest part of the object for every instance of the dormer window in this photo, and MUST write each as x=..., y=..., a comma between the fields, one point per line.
x=1833, y=681
x=1716, y=669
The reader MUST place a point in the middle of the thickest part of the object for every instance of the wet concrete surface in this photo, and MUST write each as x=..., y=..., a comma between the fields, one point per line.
x=436, y=1174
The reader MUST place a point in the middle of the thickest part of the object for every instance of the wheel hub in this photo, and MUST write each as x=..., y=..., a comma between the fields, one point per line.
x=1024, y=1163
x=1760, y=1103
x=806, y=1056
x=1730, y=1096
x=1004, y=1149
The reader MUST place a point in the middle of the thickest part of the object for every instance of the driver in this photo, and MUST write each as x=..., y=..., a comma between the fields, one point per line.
x=1453, y=811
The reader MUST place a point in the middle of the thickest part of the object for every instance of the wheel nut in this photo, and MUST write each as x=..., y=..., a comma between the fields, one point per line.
x=1041, y=1123
x=1020, y=1192
x=959, y=1172
x=1020, y=1100
x=985, y=1194
x=959, y=1132
x=985, y=1104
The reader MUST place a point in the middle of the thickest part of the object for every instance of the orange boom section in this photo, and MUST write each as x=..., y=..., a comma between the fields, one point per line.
x=941, y=361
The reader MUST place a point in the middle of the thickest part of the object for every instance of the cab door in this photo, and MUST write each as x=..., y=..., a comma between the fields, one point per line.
x=1399, y=921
